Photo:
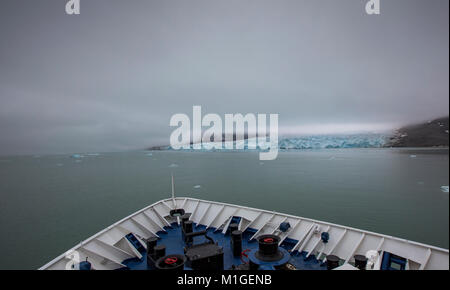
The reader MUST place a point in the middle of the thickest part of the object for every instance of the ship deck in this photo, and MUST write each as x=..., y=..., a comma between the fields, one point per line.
x=306, y=243
x=172, y=239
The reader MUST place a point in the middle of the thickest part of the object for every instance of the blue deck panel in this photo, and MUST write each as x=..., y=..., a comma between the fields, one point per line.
x=174, y=245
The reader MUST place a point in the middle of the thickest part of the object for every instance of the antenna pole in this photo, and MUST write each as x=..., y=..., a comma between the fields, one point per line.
x=173, y=193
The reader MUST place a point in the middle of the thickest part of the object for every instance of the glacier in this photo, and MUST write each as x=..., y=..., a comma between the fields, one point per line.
x=334, y=141
x=303, y=142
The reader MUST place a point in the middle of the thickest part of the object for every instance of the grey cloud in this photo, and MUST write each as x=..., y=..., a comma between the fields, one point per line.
x=110, y=78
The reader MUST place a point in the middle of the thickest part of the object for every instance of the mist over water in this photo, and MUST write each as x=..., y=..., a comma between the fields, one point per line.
x=51, y=203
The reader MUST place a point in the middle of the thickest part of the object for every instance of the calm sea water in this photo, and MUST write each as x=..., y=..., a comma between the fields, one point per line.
x=50, y=203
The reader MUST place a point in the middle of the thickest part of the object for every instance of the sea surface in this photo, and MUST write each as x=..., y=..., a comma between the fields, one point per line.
x=50, y=203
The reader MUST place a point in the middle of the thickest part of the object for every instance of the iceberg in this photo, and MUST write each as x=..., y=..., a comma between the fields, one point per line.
x=445, y=188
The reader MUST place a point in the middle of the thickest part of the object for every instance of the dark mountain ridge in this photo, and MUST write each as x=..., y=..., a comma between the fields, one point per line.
x=430, y=134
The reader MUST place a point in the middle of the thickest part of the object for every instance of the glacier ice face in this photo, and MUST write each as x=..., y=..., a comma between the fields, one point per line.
x=334, y=141
x=304, y=142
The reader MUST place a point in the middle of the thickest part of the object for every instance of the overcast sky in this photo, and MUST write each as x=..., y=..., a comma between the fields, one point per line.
x=110, y=78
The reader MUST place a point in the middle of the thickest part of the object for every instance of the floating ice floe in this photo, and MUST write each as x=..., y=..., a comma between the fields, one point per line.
x=444, y=188
x=173, y=165
x=76, y=156
x=197, y=186
x=413, y=156
x=149, y=154
x=93, y=154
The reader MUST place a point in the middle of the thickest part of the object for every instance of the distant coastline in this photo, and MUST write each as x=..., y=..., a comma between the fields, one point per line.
x=429, y=134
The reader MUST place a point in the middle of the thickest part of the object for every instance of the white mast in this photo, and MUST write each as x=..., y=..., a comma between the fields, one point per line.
x=173, y=199
x=173, y=193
